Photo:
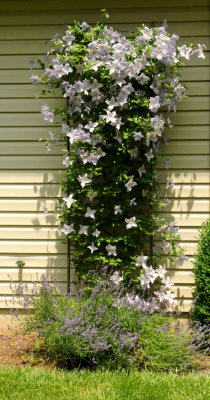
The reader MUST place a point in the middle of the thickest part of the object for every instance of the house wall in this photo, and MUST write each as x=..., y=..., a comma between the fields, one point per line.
x=29, y=177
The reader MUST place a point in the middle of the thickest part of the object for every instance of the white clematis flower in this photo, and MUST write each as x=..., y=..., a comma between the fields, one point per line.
x=169, y=297
x=154, y=103
x=133, y=202
x=83, y=179
x=151, y=273
x=91, y=126
x=161, y=271
x=111, y=103
x=185, y=51
x=182, y=259
x=137, y=136
x=84, y=26
x=167, y=283
x=92, y=247
x=67, y=162
x=111, y=116
x=149, y=155
x=93, y=158
x=91, y=195
x=144, y=281
x=166, y=247
x=141, y=170
x=66, y=229
x=116, y=278
x=199, y=52
x=48, y=115
x=141, y=261
x=111, y=250
x=134, y=152
x=117, y=209
x=130, y=222
x=90, y=213
x=100, y=152
x=96, y=233
x=35, y=79
x=83, y=230
x=69, y=200
x=118, y=138
x=130, y=184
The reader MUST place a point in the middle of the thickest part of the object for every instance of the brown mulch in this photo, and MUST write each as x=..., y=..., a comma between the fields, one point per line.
x=17, y=349
x=20, y=349
x=202, y=363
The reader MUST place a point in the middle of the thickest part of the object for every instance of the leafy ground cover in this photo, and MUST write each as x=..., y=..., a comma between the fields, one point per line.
x=39, y=383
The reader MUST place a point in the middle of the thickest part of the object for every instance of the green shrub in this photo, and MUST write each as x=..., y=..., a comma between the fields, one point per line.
x=201, y=308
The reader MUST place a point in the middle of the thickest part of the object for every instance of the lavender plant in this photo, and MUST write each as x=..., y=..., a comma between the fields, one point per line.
x=108, y=327
x=116, y=89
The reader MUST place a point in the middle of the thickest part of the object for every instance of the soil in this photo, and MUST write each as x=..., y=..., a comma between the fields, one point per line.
x=21, y=349
x=17, y=349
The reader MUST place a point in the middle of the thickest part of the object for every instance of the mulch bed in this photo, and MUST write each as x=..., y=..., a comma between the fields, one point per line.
x=19, y=350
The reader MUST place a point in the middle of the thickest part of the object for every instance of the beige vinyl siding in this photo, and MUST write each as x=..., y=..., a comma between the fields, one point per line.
x=29, y=177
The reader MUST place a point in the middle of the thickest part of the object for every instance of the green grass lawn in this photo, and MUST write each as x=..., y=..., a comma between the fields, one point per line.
x=28, y=383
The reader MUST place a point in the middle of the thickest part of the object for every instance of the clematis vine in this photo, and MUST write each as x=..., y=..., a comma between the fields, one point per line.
x=117, y=92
